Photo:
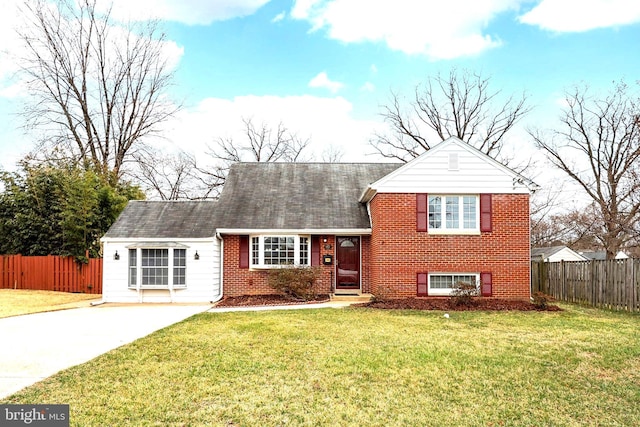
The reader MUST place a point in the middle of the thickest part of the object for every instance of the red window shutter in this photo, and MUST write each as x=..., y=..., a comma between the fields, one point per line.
x=421, y=212
x=423, y=288
x=244, y=251
x=486, y=284
x=315, y=250
x=485, y=213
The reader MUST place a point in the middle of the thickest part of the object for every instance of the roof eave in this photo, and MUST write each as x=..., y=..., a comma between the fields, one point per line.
x=367, y=195
x=339, y=231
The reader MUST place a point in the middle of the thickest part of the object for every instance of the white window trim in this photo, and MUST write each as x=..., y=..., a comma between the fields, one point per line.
x=447, y=292
x=296, y=254
x=443, y=210
x=170, y=285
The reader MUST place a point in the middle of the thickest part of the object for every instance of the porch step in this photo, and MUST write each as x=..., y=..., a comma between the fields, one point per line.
x=351, y=297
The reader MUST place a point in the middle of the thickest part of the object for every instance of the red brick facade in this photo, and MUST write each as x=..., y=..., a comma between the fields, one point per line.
x=244, y=281
x=395, y=252
x=400, y=252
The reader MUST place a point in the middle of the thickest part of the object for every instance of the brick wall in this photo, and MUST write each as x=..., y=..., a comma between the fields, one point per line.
x=400, y=252
x=243, y=281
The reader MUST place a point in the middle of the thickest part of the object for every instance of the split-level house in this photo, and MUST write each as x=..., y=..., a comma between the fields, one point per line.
x=394, y=230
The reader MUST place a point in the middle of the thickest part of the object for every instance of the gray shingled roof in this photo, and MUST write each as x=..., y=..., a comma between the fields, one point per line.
x=298, y=195
x=165, y=219
x=545, y=252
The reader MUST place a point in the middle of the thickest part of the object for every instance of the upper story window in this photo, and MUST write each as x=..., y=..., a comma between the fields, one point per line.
x=274, y=251
x=455, y=213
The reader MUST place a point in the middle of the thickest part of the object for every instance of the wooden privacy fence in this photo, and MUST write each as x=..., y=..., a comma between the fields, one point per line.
x=50, y=273
x=612, y=284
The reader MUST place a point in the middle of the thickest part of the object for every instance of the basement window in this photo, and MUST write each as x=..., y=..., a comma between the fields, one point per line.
x=444, y=284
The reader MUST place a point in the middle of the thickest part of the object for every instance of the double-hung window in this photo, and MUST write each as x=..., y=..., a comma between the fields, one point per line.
x=157, y=267
x=453, y=213
x=276, y=251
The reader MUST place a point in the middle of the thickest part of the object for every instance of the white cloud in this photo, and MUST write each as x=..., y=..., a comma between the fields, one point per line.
x=374, y=69
x=12, y=48
x=582, y=15
x=440, y=30
x=9, y=44
x=323, y=81
x=326, y=121
x=368, y=87
x=279, y=17
x=191, y=12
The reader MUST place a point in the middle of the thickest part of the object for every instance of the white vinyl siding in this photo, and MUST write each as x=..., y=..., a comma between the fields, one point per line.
x=201, y=283
x=432, y=173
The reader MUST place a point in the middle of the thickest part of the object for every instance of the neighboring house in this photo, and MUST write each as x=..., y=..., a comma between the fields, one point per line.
x=601, y=255
x=393, y=230
x=555, y=254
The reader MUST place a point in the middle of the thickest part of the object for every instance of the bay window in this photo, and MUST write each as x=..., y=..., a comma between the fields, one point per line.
x=275, y=251
x=157, y=268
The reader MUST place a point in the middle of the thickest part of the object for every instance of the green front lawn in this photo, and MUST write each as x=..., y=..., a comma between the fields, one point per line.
x=362, y=367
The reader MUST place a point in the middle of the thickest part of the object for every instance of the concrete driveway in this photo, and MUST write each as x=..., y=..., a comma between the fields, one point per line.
x=36, y=346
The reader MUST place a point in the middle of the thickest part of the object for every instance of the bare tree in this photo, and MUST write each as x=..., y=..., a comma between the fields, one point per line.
x=460, y=104
x=263, y=144
x=332, y=154
x=175, y=176
x=598, y=147
x=575, y=229
x=97, y=89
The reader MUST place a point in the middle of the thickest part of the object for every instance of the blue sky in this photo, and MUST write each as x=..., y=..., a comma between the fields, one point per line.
x=324, y=67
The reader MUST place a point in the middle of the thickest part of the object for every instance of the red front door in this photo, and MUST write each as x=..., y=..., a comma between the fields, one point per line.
x=348, y=262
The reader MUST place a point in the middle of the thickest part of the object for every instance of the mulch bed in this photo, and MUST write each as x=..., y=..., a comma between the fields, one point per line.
x=260, y=300
x=443, y=304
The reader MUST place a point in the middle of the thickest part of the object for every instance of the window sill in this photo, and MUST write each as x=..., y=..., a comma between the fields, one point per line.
x=454, y=232
x=160, y=287
x=276, y=267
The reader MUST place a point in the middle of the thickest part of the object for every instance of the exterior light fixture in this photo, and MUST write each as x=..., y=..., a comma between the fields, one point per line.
x=196, y=256
x=116, y=256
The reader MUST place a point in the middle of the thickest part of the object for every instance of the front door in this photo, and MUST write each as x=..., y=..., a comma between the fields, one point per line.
x=348, y=262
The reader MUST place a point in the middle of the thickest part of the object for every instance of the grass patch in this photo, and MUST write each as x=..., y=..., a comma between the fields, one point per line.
x=14, y=302
x=357, y=367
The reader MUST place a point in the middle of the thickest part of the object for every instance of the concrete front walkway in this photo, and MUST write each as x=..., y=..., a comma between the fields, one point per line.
x=35, y=346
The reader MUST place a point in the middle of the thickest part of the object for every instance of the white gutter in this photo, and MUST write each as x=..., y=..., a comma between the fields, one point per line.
x=221, y=279
x=279, y=231
x=367, y=195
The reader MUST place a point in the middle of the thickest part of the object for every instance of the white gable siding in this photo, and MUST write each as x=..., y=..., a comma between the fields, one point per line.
x=565, y=254
x=202, y=275
x=432, y=173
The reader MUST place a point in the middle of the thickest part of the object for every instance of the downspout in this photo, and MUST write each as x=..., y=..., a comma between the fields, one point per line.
x=221, y=279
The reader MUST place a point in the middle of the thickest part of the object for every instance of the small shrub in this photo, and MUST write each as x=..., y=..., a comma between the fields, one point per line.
x=383, y=294
x=463, y=293
x=295, y=282
x=541, y=300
